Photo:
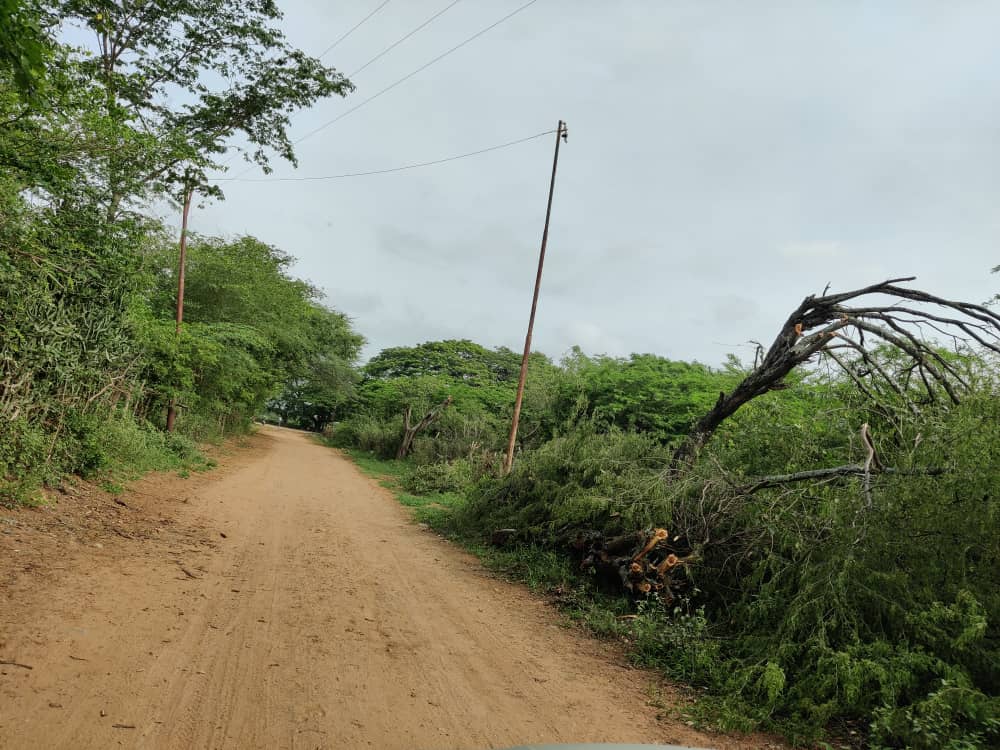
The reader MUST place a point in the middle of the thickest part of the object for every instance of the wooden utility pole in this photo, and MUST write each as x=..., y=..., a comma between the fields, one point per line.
x=561, y=133
x=188, y=192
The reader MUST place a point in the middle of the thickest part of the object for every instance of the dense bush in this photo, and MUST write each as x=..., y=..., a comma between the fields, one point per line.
x=446, y=476
x=585, y=478
x=645, y=393
x=91, y=137
x=810, y=604
x=371, y=434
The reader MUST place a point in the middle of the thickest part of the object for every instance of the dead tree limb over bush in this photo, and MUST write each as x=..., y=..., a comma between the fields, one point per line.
x=832, y=472
x=410, y=430
x=827, y=323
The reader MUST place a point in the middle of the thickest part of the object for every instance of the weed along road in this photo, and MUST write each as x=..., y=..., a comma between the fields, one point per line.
x=287, y=601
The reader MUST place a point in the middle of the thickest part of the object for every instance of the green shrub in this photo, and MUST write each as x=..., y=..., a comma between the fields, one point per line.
x=812, y=603
x=23, y=461
x=116, y=448
x=450, y=476
x=459, y=435
x=953, y=717
x=677, y=642
x=378, y=436
x=584, y=478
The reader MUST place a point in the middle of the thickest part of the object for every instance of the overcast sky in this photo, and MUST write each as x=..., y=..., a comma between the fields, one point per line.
x=724, y=160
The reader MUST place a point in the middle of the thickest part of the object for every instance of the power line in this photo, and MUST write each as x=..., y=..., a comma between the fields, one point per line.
x=391, y=86
x=351, y=30
x=408, y=76
x=403, y=39
x=393, y=169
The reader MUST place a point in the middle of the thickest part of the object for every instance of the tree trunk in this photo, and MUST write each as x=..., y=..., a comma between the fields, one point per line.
x=410, y=431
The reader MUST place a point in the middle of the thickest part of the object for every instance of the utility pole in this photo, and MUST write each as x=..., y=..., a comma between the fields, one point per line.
x=561, y=133
x=188, y=192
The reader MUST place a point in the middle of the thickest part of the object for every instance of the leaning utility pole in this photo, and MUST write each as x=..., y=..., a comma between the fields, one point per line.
x=188, y=192
x=561, y=133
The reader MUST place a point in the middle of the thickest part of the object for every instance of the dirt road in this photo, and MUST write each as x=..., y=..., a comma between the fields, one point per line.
x=323, y=618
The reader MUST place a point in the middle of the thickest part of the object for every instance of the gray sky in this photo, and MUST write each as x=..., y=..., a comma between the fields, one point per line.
x=724, y=160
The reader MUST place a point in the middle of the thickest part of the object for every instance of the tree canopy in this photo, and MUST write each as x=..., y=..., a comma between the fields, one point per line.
x=90, y=136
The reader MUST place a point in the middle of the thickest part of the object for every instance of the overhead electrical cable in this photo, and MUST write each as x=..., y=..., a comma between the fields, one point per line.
x=351, y=30
x=408, y=76
x=405, y=78
x=404, y=38
x=393, y=169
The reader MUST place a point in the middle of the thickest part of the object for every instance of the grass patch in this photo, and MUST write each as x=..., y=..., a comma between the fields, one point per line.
x=434, y=510
x=122, y=451
x=389, y=473
x=112, y=451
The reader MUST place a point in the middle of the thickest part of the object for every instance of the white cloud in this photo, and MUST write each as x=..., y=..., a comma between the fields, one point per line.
x=713, y=156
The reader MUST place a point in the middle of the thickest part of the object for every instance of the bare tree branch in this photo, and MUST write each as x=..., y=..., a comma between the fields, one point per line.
x=821, y=324
x=831, y=472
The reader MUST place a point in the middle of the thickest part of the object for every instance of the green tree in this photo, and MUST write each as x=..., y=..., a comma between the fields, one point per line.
x=23, y=46
x=324, y=383
x=644, y=392
x=253, y=334
x=86, y=335
x=457, y=359
x=180, y=79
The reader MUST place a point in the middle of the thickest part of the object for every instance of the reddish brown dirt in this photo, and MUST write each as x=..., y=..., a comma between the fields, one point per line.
x=286, y=601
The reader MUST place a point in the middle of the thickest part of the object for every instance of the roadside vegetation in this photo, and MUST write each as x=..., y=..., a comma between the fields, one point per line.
x=811, y=538
x=89, y=146
x=818, y=598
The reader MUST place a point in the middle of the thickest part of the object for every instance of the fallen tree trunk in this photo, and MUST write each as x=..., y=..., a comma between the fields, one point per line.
x=640, y=563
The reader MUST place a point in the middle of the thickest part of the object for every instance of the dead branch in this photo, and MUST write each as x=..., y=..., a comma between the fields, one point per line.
x=410, y=431
x=821, y=324
x=871, y=459
x=831, y=472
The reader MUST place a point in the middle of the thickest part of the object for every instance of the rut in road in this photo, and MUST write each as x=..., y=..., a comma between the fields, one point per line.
x=323, y=619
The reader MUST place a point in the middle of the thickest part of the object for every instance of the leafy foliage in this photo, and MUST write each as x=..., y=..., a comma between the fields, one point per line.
x=23, y=46
x=87, y=339
x=481, y=384
x=254, y=333
x=151, y=54
x=811, y=604
x=644, y=393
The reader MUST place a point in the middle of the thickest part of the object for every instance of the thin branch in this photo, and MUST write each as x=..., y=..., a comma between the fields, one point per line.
x=845, y=470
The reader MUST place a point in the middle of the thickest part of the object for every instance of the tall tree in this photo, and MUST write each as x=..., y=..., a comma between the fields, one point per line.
x=241, y=297
x=182, y=78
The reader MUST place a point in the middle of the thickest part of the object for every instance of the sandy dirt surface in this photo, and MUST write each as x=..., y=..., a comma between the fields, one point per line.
x=286, y=601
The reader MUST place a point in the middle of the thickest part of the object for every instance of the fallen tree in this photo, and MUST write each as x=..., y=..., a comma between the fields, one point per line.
x=826, y=324
x=640, y=563
x=881, y=347
x=831, y=544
